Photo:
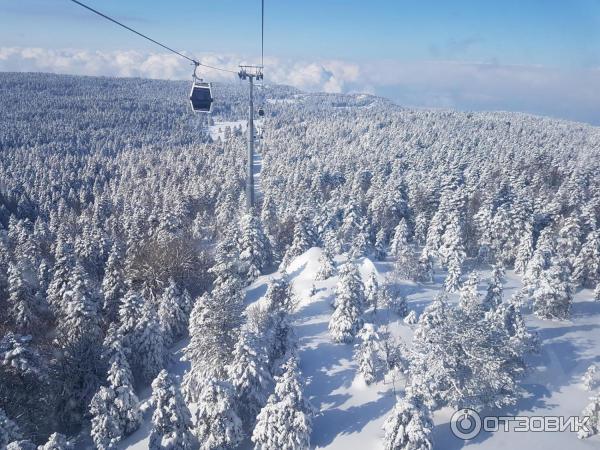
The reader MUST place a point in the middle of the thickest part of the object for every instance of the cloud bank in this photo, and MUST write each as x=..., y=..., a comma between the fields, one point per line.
x=570, y=94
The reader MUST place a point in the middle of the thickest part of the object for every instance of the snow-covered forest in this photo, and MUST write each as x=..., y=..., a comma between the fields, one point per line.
x=401, y=264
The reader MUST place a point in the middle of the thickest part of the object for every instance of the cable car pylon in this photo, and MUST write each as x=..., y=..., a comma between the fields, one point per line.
x=250, y=73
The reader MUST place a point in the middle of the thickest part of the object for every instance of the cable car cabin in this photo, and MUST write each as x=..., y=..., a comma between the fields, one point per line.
x=201, y=97
x=261, y=112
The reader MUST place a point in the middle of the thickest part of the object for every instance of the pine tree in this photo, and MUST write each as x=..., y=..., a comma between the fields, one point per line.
x=372, y=291
x=113, y=283
x=409, y=426
x=452, y=248
x=120, y=380
x=214, y=329
x=493, y=297
x=217, y=426
x=411, y=318
x=149, y=346
x=597, y=292
x=250, y=377
x=131, y=307
x=326, y=266
x=57, y=441
x=80, y=337
x=586, y=266
x=553, y=296
x=255, y=252
x=470, y=299
x=380, y=245
x=452, y=281
x=591, y=378
x=400, y=238
x=285, y=422
x=171, y=420
x=106, y=430
x=173, y=310
x=592, y=411
x=346, y=320
x=302, y=241
x=61, y=274
x=367, y=354
x=21, y=300
x=446, y=369
x=24, y=444
x=524, y=250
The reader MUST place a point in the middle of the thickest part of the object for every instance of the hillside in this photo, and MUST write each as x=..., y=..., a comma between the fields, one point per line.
x=125, y=249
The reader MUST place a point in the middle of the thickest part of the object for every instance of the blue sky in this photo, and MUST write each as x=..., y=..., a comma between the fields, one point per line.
x=471, y=54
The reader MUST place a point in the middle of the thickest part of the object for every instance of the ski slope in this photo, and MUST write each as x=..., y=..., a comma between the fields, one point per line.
x=351, y=414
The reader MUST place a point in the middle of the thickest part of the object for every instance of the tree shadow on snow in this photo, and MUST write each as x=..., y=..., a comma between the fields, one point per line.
x=334, y=422
x=585, y=309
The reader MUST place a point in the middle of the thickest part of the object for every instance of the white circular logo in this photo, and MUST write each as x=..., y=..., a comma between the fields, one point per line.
x=465, y=424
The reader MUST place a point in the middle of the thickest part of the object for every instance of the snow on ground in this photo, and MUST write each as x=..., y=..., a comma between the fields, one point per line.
x=351, y=414
x=218, y=130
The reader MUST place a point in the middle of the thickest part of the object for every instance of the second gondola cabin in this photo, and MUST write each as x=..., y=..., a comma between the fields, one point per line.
x=201, y=97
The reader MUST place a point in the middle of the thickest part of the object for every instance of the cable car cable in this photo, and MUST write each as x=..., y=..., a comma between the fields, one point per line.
x=197, y=63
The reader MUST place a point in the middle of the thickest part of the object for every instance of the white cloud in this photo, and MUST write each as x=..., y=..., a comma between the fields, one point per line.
x=571, y=94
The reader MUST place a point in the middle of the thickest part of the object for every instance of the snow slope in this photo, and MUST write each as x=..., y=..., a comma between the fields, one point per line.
x=351, y=414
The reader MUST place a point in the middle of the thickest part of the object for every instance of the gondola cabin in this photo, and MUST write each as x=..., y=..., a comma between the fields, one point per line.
x=201, y=97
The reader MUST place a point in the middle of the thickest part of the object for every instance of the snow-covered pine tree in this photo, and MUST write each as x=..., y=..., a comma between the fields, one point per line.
x=553, y=295
x=79, y=337
x=106, y=429
x=425, y=268
x=372, y=291
x=255, y=251
x=217, y=425
x=409, y=426
x=411, y=318
x=61, y=273
x=493, y=296
x=586, y=270
x=24, y=444
x=149, y=353
x=540, y=260
x=173, y=311
x=120, y=380
x=171, y=420
x=302, y=241
x=444, y=370
x=22, y=301
x=380, y=245
x=227, y=267
x=407, y=263
x=524, y=250
x=250, y=376
x=214, y=328
x=597, y=292
x=57, y=441
x=592, y=411
x=452, y=281
x=113, y=283
x=452, y=247
x=367, y=354
x=400, y=238
x=326, y=266
x=346, y=320
x=470, y=299
x=591, y=378
x=285, y=422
